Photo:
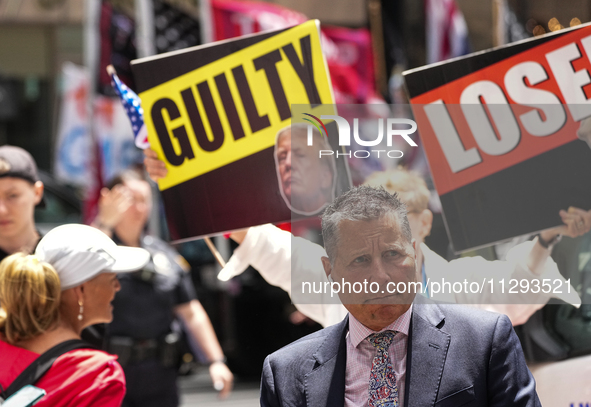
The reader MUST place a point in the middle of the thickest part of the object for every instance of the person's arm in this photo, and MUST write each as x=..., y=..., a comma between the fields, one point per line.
x=528, y=263
x=239, y=235
x=84, y=378
x=507, y=296
x=155, y=167
x=199, y=326
x=284, y=261
x=576, y=221
x=266, y=248
x=268, y=394
x=111, y=207
x=109, y=394
x=510, y=383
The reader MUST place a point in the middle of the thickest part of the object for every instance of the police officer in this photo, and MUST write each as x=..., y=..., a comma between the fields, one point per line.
x=20, y=192
x=151, y=302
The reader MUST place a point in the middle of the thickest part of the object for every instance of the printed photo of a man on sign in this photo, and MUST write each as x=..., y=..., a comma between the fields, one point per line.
x=219, y=116
x=307, y=182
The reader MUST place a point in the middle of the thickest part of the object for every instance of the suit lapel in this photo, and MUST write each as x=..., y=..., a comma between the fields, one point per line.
x=325, y=384
x=427, y=350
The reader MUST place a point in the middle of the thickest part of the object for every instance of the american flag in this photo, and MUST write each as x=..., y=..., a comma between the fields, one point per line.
x=133, y=106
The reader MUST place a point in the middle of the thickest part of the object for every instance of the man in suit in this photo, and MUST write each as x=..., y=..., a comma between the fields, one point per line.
x=393, y=349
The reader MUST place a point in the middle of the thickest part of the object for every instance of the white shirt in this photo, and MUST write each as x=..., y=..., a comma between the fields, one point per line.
x=286, y=261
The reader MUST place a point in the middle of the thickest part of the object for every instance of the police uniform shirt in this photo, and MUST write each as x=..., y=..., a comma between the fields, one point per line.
x=144, y=308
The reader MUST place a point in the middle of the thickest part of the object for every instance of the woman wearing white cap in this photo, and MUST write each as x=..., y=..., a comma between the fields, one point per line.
x=47, y=299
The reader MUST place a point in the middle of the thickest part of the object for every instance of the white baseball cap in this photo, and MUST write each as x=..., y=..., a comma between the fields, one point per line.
x=79, y=253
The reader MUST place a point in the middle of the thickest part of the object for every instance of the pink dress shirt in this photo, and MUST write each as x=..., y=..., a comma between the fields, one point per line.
x=360, y=354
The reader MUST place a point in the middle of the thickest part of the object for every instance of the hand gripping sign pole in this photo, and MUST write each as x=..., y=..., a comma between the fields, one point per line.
x=132, y=105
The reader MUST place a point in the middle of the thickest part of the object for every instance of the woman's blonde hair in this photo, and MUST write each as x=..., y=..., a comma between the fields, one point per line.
x=410, y=187
x=29, y=297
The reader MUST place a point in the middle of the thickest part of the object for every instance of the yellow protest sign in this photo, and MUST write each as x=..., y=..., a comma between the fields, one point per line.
x=231, y=108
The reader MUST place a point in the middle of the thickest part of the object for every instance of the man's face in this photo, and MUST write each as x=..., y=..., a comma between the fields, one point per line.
x=304, y=179
x=100, y=292
x=18, y=198
x=284, y=162
x=374, y=252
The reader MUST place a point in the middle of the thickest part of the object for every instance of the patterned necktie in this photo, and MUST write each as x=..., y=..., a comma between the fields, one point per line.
x=383, y=391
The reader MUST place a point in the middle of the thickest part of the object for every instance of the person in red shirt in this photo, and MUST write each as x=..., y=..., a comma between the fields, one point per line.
x=49, y=298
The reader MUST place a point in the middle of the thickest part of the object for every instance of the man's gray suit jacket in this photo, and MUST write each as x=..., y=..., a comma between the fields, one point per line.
x=457, y=356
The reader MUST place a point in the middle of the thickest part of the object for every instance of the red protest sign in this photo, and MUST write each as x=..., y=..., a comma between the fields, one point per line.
x=508, y=114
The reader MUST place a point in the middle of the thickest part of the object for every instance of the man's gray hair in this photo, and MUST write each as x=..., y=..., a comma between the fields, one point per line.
x=361, y=203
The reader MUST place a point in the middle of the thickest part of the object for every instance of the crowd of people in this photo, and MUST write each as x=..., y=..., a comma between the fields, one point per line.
x=399, y=349
x=55, y=286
